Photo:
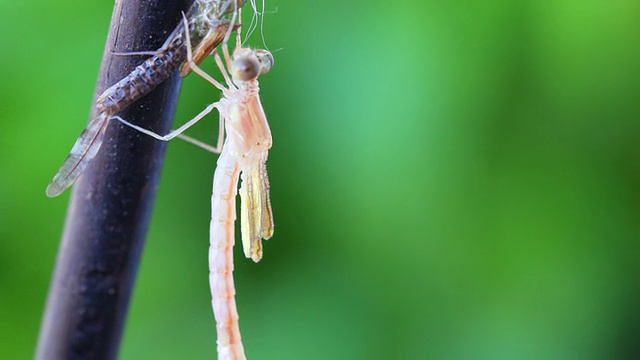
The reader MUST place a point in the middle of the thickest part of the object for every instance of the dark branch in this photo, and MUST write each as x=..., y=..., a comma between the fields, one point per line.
x=111, y=205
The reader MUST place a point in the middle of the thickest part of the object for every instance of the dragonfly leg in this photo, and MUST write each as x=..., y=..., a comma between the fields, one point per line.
x=175, y=132
x=224, y=71
x=217, y=149
x=137, y=53
x=162, y=49
x=227, y=36
x=193, y=65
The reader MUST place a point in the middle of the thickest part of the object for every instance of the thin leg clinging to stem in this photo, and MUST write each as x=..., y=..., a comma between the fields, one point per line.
x=163, y=48
x=218, y=148
x=175, y=132
x=225, y=48
x=224, y=72
x=200, y=144
x=178, y=132
x=138, y=53
x=195, y=66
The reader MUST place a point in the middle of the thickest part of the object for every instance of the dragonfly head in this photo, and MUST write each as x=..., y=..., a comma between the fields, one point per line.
x=249, y=65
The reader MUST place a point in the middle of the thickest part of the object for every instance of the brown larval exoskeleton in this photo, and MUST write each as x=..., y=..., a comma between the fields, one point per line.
x=208, y=22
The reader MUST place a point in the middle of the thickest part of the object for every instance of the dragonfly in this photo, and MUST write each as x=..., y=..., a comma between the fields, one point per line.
x=205, y=29
x=243, y=154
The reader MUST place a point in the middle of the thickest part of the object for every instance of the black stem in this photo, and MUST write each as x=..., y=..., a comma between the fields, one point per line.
x=110, y=209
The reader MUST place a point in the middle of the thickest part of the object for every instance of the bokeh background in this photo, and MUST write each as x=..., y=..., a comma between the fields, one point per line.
x=450, y=180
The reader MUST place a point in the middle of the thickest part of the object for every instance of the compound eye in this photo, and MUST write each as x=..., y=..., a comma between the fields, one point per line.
x=245, y=68
x=266, y=60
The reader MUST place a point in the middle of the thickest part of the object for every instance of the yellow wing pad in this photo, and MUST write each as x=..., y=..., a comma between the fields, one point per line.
x=256, y=217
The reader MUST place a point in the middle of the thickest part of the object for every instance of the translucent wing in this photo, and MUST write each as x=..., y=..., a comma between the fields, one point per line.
x=83, y=151
x=255, y=214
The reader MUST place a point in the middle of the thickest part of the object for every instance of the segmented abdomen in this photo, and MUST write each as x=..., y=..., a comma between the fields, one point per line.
x=145, y=77
x=223, y=215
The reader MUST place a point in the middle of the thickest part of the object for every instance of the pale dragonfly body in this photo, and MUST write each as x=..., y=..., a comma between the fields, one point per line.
x=243, y=154
x=206, y=28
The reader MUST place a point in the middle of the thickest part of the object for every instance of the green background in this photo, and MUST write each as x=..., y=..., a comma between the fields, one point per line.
x=450, y=180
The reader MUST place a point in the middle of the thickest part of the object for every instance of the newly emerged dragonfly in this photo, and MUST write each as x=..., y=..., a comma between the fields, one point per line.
x=205, y=29
x=243, y=154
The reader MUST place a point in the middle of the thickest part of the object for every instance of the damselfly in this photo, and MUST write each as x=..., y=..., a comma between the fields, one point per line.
x=243, y=154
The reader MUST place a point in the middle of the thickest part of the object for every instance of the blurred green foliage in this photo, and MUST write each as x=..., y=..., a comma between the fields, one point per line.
x=450, y=180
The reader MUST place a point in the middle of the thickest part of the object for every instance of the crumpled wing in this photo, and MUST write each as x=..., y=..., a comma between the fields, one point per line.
x=83, y=151
x=256, y=216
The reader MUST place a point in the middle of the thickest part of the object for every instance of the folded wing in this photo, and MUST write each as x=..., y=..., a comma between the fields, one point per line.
x=83, y=151
x=255, y=215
